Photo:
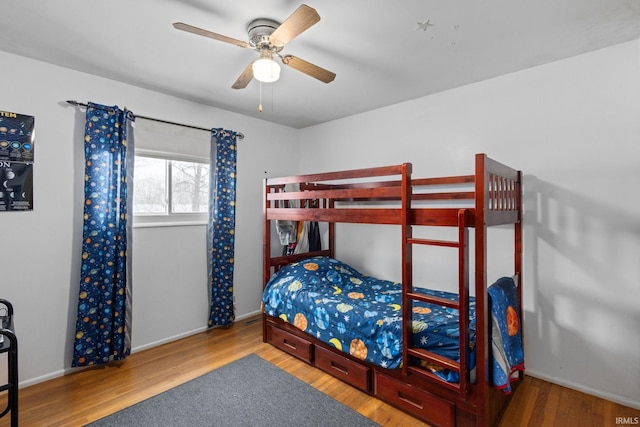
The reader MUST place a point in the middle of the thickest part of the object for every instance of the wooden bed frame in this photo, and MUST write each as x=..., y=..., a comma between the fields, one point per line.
x=491, y=197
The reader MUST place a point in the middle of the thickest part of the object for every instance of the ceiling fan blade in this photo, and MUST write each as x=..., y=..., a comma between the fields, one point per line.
x=244, y=78
x=300, y=20
x=199, y=31
x=308, y=68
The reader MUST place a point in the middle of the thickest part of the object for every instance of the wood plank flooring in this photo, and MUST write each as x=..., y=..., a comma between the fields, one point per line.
x=87, y=395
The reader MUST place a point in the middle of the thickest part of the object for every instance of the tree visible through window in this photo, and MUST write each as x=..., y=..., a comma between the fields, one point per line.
x=190, y=186
x=165, y=187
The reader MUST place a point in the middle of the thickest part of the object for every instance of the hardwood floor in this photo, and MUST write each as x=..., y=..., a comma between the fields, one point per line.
x=87, y=395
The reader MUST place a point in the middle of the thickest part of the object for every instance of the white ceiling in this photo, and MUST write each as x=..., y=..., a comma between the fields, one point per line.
x=376, y=47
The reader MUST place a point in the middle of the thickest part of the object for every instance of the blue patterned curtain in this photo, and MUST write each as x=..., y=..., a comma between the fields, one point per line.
x=221, y=227
x=102, y=328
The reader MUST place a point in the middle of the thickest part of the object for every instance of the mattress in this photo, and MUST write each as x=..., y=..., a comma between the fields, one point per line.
x=362, y=315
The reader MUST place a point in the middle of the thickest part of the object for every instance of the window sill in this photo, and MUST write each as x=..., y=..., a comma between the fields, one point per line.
x=168, y=224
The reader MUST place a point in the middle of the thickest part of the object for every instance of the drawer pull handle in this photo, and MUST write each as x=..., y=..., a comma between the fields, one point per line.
x=337, y=367
x=289, y=343
x=410, y=400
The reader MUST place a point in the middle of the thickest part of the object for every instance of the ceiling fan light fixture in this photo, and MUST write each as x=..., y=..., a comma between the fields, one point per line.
x=266, y=69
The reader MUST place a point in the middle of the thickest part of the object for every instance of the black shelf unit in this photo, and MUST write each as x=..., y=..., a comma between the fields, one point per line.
x=9, y=345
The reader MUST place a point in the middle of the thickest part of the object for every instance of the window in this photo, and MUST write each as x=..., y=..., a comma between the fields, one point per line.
x=170, y=189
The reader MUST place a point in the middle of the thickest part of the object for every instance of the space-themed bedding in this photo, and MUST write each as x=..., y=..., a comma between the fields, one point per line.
x=361, y=315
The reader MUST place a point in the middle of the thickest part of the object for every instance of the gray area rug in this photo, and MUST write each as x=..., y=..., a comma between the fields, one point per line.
x=247, y=392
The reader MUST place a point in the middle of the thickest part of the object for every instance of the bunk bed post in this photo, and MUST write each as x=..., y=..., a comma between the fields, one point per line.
x=482, y=324
x=518, y=237
x=518, y=252
x=266, y=249
x=463, y=299
x=332, y=232
x=407, y=262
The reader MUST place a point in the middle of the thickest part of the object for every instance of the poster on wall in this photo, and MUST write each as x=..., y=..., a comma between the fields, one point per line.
x=16, y=161
x=16, y=186
x=16, y=137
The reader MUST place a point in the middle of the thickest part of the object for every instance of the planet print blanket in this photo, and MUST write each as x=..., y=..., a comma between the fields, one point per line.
x=506, y=334
x=361, y=315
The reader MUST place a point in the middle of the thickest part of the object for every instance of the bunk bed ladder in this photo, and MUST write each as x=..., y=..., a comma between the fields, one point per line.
x=411, y=352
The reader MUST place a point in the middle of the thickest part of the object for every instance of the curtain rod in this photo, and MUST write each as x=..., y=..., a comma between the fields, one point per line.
x=76, y=103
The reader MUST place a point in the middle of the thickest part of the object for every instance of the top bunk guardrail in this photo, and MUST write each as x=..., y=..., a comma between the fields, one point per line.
x=347, y=196
x=498, y=192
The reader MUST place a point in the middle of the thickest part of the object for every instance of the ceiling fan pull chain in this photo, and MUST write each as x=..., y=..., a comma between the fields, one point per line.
x=260, y=104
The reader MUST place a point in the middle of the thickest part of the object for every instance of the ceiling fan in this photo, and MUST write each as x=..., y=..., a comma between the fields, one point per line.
x=269, y=38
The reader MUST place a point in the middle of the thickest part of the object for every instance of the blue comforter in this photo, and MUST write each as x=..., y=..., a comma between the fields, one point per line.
x=361, y=315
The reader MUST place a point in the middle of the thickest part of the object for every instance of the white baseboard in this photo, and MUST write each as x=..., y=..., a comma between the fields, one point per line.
x=185, y=334
x=579, y=387
x=245, y=316
x=44, y=378
x=66, y=371
x=62, y=372
x=168, y=339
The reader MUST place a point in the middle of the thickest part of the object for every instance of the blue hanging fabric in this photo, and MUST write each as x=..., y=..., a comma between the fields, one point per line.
x=104, y=303
x=221, y=226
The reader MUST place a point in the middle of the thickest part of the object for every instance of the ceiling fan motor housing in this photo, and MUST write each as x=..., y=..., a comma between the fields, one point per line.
x=259, y=31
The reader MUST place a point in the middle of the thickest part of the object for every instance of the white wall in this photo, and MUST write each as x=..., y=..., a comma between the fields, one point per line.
x=573, y=128
x=41, y=249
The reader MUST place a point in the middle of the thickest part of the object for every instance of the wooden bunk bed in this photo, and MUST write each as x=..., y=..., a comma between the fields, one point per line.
x=389, y=195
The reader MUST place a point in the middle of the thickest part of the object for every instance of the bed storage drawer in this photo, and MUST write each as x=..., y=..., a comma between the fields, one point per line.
x=290, y=343
x=345, y=369
x=414, y=400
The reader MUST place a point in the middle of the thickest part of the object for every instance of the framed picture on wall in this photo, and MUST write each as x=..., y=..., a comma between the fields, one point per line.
x=17, y=137
x=17, y=140
x=16, y=186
